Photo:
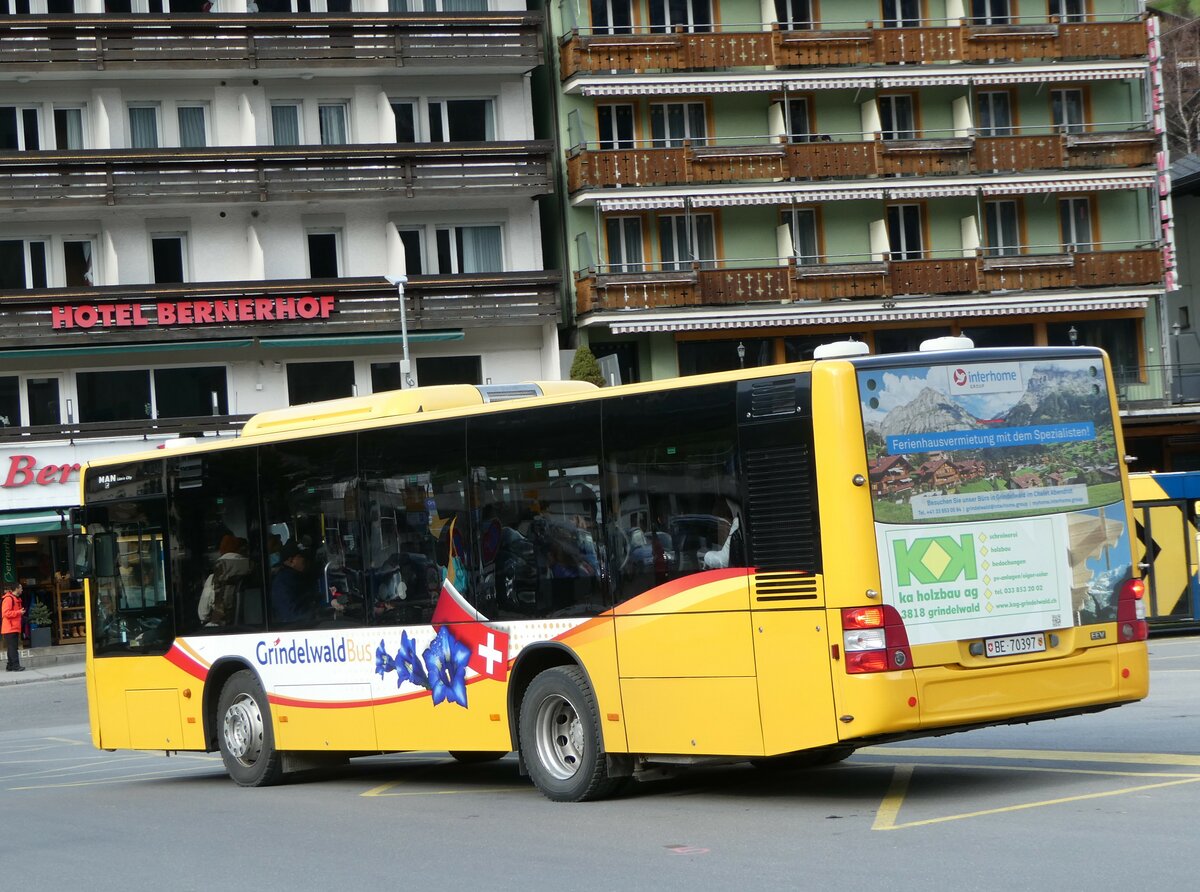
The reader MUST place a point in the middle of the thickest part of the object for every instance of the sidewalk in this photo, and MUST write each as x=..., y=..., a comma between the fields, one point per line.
x=48, y=663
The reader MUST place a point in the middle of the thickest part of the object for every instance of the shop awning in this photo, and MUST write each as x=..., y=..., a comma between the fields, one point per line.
x=414, y=337
x=40, y=521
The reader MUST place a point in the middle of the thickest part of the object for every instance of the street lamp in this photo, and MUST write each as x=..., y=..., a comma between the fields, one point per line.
x=1073, y=335
x=741, y=352
x=400, y=279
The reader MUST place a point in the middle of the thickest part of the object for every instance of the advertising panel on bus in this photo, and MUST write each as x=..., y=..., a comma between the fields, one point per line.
x=997, y=496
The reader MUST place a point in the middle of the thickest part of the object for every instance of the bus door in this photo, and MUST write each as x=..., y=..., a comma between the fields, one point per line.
x=1166, y=543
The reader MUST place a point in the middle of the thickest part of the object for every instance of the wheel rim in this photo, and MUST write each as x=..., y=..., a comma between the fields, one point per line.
x=559, y=738
x=243, y=730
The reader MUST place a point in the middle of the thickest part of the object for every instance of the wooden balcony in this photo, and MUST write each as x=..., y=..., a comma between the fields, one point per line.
x=361, y=306
x=582, y=52
x=866, y=279
x=593, y=168
x=264, y=173
x=288, y=43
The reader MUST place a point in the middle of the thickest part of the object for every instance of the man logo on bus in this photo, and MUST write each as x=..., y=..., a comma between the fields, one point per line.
x=934, y=559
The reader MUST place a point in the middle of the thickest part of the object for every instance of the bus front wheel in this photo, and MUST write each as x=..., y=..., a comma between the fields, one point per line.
x=246, y=739
x=560, y=737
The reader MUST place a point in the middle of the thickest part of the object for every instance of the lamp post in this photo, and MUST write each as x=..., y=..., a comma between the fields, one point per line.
x=1073, y=335
x=741, y=352
x=400, y=279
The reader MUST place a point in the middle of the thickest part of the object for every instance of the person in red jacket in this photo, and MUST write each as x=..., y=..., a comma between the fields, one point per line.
x=12, y=611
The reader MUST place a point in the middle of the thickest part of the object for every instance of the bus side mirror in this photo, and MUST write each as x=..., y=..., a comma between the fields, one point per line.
x=104, y=555
x=79, y=555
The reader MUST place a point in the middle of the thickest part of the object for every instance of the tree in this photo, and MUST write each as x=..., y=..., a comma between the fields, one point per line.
x=1181, y=75
x=585, y=367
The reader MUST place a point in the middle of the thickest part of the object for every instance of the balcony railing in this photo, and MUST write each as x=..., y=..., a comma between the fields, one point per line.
x=826, y=44
x=287, y=42
x=297, y=173
x=848, y=156
x=361, y=306
x=209, y=425
x=837, y=278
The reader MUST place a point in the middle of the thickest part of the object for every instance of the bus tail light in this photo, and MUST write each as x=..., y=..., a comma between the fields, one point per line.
x=874, y=639
x=1131, y=612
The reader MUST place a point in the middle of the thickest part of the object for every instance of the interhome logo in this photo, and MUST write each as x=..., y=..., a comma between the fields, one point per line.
x=1002, y=377
x=934, y=559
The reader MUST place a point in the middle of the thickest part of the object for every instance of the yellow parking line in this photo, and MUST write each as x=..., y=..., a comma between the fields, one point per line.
x=1037, y=755
x=382, y=791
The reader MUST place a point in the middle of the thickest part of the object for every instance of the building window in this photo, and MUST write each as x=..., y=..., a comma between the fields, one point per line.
x=897, y=119
x=22, y=263
x=995, y=113
x=324, y=254
x=449, y=370
x=675, y=15
x=167, y=251
x=386, y=376
x=405, y=113
x=437, y=5
x=1002, y=228
x=802, y=222
x=143, y=127
x=10, y=401
x=19, y=129
x=461, y=120
x=906, y=340
x=686, y=239
x=615, y=126
x=991, y=12
x=1117, y=337
x=905, y=232
x=192, y=392
x=794, y=15
x=113, y=396
x=1068, y=110
x=1000, y=335
x=68, y=128
x=1185, y=318
x=1075, y=220
x=77, y=262
x=902, y=13
x=193, y=126
x=414, y=250
x=612, y=17
x=311, y=382
x=798, y=124
x=624, y=237
x=332, y=120
x=41, y=397
x=1069, y=10
x=285, y=124
x=671, y=123
x=470, y=249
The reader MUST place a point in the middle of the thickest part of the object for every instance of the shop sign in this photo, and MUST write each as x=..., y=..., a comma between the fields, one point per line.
x=8, y=559
x=193, y=312
x=48, y=476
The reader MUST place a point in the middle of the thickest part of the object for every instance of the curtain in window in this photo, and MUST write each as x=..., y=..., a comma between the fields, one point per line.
x=68, y=127
x=285, y=124
x=333, y=124
x=143, y=128
x=464, y=5
x=191, y=127
x=481, y=249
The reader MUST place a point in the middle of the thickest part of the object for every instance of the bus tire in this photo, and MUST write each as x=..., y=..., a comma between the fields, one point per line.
x=244, y=732
x=560, y=737
x=470, y=757
x=827, y=755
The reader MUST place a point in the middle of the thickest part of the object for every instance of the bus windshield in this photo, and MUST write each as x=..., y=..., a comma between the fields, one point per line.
x=997, y=494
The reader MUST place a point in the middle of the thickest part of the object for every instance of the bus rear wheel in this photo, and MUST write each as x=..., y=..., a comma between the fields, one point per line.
x=560, y=737
x=244, y=733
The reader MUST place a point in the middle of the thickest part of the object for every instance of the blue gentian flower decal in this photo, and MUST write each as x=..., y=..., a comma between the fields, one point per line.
x=446, y=659
x=383, y=661
x=408, y=666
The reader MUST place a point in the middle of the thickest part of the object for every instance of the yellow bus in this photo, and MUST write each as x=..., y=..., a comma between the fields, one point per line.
x=777, y=565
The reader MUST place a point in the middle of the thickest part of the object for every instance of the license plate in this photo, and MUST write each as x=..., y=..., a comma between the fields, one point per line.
x=1015, y=644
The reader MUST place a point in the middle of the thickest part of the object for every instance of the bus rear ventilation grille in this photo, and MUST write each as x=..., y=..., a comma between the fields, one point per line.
x=785, y=587
x=774, y=396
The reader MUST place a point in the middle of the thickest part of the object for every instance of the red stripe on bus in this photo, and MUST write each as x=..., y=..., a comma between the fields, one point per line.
x=177, y=657
x=676, y=586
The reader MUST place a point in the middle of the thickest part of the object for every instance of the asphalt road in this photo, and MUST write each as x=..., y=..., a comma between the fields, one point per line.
x=1099, y=802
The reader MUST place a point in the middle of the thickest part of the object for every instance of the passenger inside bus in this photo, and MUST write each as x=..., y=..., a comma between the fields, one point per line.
x=293, y=590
